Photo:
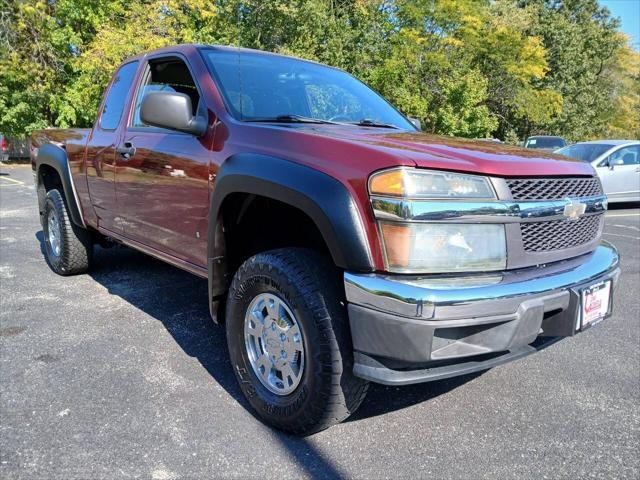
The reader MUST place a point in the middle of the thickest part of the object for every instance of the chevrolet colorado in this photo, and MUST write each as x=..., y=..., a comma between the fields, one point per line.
x=341, y=245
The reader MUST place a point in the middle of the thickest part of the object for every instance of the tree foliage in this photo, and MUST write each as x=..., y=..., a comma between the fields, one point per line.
x=472, y=68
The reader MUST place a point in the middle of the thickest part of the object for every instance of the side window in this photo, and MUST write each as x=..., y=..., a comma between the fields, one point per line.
x=166, y=75
x=114, y=104
x=626, y=156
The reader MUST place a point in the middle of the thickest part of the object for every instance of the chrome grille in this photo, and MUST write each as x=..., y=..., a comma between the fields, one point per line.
x=559, y=234
x=553, y=188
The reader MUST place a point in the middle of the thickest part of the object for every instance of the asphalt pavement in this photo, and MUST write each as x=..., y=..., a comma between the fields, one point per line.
x=120, y=373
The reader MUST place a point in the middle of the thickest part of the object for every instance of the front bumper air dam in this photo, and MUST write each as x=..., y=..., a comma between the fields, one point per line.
x=411, y=329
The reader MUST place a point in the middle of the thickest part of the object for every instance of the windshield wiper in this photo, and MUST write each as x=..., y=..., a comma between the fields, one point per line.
x=366, y=122
x=290, y=118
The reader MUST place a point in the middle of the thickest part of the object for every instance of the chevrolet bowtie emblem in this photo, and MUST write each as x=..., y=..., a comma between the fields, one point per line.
x=574, y=209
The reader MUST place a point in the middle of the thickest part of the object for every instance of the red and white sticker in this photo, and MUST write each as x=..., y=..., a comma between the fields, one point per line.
x=595, y=303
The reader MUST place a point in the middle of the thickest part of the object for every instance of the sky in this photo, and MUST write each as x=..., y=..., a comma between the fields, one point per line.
x=629, y=13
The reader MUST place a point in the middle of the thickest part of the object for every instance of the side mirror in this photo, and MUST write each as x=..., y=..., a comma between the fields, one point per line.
x=416, y=122
x=171, y=110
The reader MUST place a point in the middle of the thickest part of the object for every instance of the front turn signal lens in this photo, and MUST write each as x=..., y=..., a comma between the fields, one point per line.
x=388, y=183
x=425, y=184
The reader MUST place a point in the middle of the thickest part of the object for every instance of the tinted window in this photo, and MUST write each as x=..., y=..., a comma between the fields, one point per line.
x=258, y=86
x=587, y=152
x=625, y=156
x=114, y=104
x=545, y=142
x=166, y=75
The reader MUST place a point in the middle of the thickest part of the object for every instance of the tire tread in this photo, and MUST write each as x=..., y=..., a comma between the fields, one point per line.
x=76, y=248
x=314, y=276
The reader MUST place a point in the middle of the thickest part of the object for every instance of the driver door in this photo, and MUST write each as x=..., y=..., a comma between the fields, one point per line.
x=162, y=176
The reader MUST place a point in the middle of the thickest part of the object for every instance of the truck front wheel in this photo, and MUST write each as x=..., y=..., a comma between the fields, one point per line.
x=289, y=341
x=68, y=247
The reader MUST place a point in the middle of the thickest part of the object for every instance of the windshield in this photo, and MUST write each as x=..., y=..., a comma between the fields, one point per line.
x=263, y=87
x=545, y=142
x=587, y=152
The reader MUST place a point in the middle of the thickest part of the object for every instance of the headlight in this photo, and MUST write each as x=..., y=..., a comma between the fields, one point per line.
x=414, y=183
x=443, y=247
x=438, y=247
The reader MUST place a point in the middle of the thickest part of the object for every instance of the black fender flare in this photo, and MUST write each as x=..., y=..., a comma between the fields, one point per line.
x=321, y=197
x=56, y=158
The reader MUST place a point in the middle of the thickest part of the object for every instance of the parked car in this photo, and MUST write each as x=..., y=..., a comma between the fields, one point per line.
x=545, y=142
x=343, y=245
x=617, y=163
x=13, y=147
x=4, y=148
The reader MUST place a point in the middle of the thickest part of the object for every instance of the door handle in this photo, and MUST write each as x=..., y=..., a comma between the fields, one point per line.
x=126, y=150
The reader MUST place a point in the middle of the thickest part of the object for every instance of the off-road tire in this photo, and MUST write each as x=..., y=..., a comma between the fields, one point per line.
x=76, y=248
x=328, y=391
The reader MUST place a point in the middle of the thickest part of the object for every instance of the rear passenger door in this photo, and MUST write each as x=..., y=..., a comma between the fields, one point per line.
x=163, y=184
x=100, y=157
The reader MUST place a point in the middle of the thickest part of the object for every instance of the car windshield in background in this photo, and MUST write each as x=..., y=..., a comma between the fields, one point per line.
x=587, y=152
x=545, y=142
x=259, y=87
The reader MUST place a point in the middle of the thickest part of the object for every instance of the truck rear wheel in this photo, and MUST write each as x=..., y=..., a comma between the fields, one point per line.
x=68, y=247
x=289, y=341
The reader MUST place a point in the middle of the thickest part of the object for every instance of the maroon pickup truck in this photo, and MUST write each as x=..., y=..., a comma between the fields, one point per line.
x=341, y=245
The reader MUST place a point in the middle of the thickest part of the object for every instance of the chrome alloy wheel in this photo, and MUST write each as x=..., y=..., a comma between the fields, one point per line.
x=53, y=232
x=274, y=343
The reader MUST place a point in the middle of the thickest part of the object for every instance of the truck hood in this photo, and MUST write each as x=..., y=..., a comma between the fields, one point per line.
x=459, y=154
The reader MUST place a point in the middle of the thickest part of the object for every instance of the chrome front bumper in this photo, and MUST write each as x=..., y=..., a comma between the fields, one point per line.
x=409, y=329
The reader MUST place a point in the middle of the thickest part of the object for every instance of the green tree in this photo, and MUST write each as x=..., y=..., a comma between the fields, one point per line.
x=583, y=50
x=428, y=73
x=32, y=66
x=131, y=29
x=473, y=68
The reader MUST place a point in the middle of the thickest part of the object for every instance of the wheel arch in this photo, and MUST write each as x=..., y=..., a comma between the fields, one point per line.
x=52, y=158
x=318, y=196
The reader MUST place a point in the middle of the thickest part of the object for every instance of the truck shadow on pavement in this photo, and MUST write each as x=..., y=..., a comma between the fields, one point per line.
x=178, y=300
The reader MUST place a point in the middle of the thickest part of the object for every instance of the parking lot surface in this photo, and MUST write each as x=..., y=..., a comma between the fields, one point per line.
x=121, y=374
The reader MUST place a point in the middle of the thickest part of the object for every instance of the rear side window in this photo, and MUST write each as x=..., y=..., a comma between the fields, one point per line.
x=545, y=142
x=114, y=104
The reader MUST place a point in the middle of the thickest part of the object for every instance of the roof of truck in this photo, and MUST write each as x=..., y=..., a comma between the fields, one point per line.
x=181, y=48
